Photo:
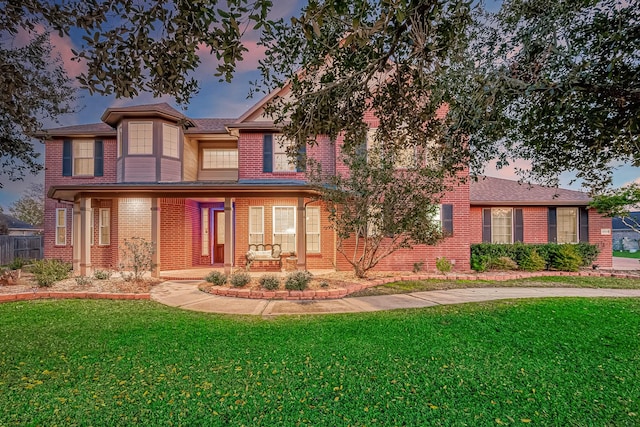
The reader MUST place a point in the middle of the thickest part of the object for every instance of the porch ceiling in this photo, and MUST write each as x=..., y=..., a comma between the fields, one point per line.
x=191, y=190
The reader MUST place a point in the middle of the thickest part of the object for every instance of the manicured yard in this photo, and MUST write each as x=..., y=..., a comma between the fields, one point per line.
x=543, y=362
x=546, y=282
x=626, y=254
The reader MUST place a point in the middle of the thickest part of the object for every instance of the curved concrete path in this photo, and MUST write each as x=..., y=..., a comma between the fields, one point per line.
x=186, y=295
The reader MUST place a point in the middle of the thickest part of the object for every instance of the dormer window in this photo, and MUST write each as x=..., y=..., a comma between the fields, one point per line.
x=140, y=138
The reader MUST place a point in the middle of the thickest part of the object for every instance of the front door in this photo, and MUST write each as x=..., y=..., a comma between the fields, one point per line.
x=218, y=237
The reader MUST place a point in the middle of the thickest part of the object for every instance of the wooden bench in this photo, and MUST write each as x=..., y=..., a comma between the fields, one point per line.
x=264, y=252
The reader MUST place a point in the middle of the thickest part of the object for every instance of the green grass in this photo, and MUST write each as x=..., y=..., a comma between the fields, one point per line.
x=544, y=362
x=625, y=254
x=547, y=282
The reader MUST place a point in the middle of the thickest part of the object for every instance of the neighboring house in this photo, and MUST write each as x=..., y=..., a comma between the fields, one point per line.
x=624, y=237
x=204, y=189
x=19, y=228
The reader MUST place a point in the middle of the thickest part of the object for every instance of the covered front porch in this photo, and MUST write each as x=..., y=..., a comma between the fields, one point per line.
x=193, y=228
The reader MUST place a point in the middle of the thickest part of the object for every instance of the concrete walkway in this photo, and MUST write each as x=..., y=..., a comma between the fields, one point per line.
x=186, y=295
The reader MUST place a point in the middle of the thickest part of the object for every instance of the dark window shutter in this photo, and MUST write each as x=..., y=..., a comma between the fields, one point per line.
x=66, y=158
x=301, y=161
x=267, y=153
x=447, y=219
x=584, y=225
x=486, y=225
x=518, y=229
x=98, y=159
x=552, y=226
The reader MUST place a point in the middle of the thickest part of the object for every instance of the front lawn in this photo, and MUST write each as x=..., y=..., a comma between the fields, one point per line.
x=627, y=254
x=542, y=362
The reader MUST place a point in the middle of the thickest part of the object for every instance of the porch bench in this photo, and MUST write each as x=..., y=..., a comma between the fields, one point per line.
x=264, y=252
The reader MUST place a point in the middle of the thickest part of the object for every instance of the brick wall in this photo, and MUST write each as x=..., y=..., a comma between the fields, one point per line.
x=53, y=176
x=535, y=220
x=455, y=248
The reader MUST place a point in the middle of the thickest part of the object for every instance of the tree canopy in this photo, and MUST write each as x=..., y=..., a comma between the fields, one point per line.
x=620, y=202
x=556, y=84
x=128, y=47
x=30, y=206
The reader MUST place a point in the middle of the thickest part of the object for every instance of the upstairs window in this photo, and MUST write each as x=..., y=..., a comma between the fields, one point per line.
x=403, y=158
x=119, y=141
x=82, y=157
x=281, y=160
x=219, y=158
x=170, y=141
x=140, y=138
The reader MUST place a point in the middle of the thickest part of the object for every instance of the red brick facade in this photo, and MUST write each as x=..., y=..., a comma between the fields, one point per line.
x=180, y=227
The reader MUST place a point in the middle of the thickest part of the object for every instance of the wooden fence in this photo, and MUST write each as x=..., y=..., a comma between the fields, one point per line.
x=27, y=247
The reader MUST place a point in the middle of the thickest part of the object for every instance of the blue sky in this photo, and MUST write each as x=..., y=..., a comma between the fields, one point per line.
x=215, y=99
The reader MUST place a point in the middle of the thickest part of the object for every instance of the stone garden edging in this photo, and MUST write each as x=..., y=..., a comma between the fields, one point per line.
x=349, y=288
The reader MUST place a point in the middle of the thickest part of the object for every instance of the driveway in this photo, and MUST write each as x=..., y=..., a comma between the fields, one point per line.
x=626, y=263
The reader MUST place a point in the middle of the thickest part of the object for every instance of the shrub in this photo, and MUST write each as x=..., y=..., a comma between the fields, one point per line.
x=48, y=271
x=18, y=263
x=297, y=281
x=83, y=280
x=101, y=274
x=502, y=263
x=443, y=265
x=137, y=258
x=567, y=259
x=217, y=278
x=532, y=262
x=270, y=282
x=587, y=252
x=240, y=279
x=480, y=263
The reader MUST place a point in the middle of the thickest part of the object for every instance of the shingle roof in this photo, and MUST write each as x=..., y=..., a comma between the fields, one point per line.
x=113, y=114
x=15, y=223
x=88, y=129
x=209, y=125
x=617, y=224
x=489, y=190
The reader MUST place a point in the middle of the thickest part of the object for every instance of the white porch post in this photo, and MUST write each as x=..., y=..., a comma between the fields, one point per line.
x=155, y=236
x=301, y=235
x=228, y=235
x=75, y=241
x=84, y=237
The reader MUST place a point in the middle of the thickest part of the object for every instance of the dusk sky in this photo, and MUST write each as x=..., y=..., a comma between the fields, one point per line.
x=216, y=99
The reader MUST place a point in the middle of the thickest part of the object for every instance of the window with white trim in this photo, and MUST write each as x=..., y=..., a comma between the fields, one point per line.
x=104, y=224
x=83, y=157
x=170, y=140
x=404, y=158
x=61, y=226
x=119, y=141
x=140, y=138
x=219, y=158
x=567, y=222
x=281, y=160
x=284, y=227
x=502, y=225
x=256, y=225
x=313, y=229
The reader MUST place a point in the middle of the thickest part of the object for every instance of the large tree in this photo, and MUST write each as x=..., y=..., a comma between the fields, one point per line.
x=127, y=47
x=30, y=206
x=554, y=83
x=620, y=202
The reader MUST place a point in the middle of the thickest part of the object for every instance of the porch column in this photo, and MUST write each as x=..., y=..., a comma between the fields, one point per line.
x=75, y=233
x=85, y=237
x=228, y=235
x=301, y=235
x=155, y=236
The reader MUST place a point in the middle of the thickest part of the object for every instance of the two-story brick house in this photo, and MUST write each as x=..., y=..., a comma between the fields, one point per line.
x=203, y=189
